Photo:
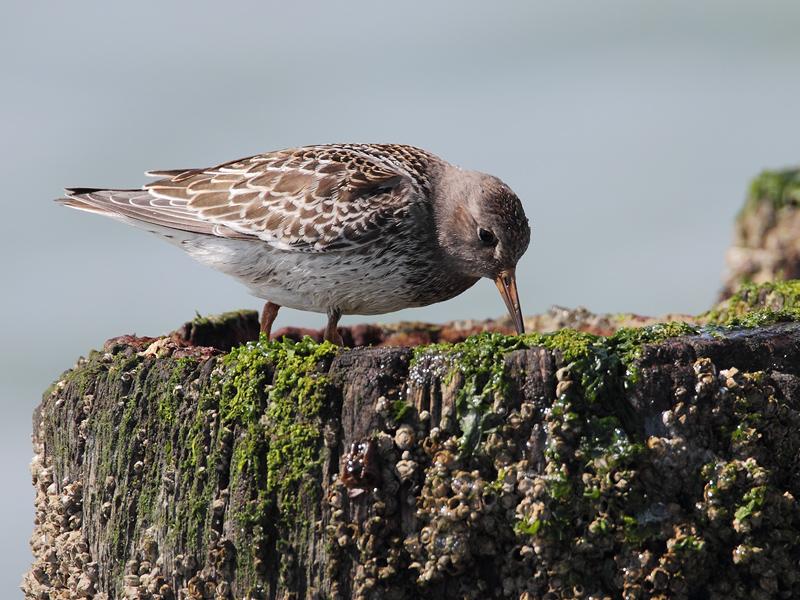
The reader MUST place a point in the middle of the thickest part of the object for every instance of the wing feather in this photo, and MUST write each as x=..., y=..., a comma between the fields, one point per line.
x=311, y=199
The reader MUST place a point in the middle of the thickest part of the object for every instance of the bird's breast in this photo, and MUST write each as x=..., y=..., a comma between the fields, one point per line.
x=370, y=280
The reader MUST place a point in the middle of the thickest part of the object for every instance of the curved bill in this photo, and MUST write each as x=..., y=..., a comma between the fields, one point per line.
x=507, y=284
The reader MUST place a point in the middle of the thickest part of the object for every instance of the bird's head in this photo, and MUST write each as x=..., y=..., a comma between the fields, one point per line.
x=483, y=230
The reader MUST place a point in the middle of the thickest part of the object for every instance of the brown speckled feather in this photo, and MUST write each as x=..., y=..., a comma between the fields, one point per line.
x=312, y=199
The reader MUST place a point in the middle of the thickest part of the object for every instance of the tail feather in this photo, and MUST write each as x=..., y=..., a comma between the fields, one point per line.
x=77, y=191
x=94, y=200
x=142, y=209
x=79, y=204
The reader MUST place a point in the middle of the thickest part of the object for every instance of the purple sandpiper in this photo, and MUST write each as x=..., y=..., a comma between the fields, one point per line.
x=337, y=229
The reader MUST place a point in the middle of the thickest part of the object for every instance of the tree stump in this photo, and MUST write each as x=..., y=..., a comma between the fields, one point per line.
x=656, y=462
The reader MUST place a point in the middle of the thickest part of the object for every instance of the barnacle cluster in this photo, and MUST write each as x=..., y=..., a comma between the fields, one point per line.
x=560, y=497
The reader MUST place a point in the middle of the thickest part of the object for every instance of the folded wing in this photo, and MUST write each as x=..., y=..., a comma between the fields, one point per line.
x=311, y=199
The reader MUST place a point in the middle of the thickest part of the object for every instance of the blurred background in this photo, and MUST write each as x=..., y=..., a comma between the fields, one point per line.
x=630, y=130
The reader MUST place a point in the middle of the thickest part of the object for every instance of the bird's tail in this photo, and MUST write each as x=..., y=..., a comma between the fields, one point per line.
x=79, y=198
x=172, y=219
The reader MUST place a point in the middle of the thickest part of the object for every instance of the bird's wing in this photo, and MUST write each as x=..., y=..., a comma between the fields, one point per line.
x=311, y=199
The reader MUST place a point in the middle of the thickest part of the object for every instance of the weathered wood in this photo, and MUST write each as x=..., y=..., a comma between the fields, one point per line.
x=164, y=470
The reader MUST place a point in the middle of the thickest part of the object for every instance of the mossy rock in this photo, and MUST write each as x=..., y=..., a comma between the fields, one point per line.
x=765, y=244
x=758, y=304
x=778, y=188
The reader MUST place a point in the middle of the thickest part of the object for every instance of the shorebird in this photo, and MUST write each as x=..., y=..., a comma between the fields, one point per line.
x=336, y=229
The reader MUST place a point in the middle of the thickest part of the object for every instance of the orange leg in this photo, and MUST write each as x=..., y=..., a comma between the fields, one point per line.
x=268, y=317
x=331, y=334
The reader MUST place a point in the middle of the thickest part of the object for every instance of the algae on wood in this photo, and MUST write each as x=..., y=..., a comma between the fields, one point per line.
x=656, y=462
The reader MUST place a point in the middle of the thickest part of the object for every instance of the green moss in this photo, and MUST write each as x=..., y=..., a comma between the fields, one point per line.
x=134, y=403
x=589, y=449
x=606, y=446
x=762, y=318
x=528, y=526
x=627, y=343
x=261, y=412
x=602, y=365
x=592, y=441
x=756, y=305
x=478, y=361
x=588, y=453
x=223, y=321
x=262, y=415
x=592, y=444
x=779, y=188
x=400, y=408
x=280, y=453
x=573, y=345
x=170, y=394
x=742, y=490
x=753, y=501
x=295, y=403
x=635, y=532
x=597, y=359
x=281, y=416
x=689, y=544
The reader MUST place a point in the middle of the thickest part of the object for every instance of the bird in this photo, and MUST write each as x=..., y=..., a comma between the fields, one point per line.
x=336, y=228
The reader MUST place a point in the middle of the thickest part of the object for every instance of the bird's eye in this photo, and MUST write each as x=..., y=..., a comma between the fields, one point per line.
x=487, y=237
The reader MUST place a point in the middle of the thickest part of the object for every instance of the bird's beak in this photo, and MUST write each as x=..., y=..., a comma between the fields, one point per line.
x=506, y=282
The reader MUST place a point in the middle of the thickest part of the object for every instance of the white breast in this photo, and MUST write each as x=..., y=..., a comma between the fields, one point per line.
x=317, y=282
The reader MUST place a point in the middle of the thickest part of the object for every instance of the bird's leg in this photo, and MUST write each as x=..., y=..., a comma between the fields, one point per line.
x=331, y=334
x=268, y=317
